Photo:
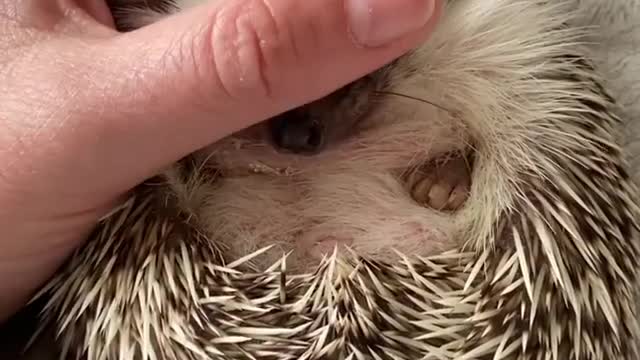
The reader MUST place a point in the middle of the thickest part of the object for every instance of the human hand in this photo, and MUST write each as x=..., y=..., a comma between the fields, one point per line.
x=87, y=112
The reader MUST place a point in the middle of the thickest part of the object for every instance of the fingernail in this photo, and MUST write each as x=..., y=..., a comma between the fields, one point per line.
x=377, y=22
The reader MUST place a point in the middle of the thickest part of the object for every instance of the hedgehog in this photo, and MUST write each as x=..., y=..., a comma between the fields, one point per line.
x=467, y=201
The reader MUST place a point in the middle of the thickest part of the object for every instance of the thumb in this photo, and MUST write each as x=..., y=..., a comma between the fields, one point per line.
x=222, y=66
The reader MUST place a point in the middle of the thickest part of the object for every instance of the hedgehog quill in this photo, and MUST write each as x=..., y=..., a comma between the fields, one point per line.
x=468, y=201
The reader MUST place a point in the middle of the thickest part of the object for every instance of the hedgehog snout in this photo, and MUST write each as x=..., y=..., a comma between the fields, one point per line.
x=297, y=132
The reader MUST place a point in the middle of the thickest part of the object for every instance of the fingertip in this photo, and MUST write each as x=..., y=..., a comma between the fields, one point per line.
x=379, y=22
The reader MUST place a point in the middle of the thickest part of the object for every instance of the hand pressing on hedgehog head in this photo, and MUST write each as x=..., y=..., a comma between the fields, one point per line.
x=87, y=113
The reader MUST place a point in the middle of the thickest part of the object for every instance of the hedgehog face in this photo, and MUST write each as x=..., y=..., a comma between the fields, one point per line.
x=382, y=164
x=371, y=166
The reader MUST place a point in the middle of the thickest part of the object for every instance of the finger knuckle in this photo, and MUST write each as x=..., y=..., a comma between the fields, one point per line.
x=241, y=50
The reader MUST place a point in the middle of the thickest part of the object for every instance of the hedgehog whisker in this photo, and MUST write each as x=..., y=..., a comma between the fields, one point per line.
x=392, y=93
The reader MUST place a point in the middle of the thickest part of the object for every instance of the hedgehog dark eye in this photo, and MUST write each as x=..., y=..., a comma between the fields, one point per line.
x=297, y=133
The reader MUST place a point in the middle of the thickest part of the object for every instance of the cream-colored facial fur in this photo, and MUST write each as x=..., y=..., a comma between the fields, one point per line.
x=353, y=192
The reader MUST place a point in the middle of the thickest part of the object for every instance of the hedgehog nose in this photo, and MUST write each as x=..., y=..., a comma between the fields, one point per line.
x=293, y=132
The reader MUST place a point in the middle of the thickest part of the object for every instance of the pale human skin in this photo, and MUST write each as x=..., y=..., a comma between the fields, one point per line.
x=87, y=112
